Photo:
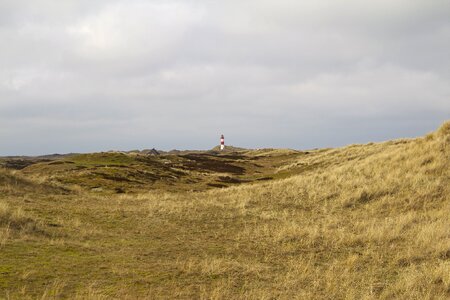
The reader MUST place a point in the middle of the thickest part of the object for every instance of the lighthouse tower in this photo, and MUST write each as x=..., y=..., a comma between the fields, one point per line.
x=222, y=142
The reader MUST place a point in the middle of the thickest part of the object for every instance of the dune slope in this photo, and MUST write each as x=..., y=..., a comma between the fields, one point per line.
x=364, y=221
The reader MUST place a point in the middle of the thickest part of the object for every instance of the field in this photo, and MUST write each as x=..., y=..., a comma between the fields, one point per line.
x=359, y=222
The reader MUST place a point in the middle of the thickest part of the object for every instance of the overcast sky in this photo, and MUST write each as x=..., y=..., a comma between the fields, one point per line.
x=81, y=76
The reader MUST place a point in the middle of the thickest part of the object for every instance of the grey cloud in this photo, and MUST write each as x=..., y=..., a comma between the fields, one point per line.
x=86, y=76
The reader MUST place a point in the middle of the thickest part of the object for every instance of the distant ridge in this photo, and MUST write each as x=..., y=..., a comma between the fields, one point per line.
x=229, y=149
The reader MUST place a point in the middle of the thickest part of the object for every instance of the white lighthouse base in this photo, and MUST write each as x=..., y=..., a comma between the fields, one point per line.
x=222, y=147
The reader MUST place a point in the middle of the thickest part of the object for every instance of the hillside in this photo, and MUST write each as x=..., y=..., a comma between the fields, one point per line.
x=120, y=172
x=359, y=222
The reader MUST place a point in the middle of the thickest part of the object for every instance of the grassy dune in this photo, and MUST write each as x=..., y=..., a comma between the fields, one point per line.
x=360, y=222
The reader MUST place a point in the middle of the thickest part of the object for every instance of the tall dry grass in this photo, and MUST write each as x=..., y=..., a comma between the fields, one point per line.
x=372, y=224
x=360, y=222
x=14, y=222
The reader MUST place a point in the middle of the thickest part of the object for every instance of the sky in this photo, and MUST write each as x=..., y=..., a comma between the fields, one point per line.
x=85, y=76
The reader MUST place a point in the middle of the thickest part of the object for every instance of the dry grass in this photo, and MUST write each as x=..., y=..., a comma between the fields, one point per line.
x=360, y=222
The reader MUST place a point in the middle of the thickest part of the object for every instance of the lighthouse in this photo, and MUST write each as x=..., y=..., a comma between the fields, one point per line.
x=222, y=142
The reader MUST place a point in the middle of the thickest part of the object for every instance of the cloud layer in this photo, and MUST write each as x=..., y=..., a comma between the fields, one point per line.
x=81, y=76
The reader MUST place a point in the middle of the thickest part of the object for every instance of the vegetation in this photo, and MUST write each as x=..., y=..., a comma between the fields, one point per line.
x=359, y=222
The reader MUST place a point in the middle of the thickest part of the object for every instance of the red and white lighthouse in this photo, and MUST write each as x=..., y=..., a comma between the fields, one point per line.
x=222, y=142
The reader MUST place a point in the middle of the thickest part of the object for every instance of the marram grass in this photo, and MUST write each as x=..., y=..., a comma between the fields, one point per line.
x=359, y=222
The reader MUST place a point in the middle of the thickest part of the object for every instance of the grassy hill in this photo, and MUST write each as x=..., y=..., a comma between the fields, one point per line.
x=360, y=222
